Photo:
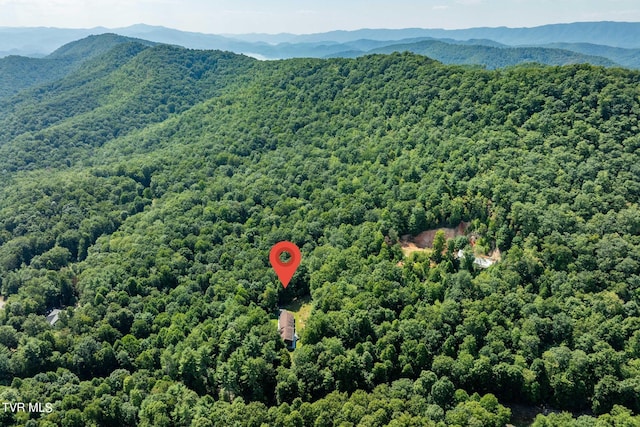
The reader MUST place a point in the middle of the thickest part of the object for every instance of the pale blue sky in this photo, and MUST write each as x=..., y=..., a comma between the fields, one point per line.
x=305, y=16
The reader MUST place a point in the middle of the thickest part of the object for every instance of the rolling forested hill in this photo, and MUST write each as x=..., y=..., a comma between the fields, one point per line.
x=141, y=194
x=490, y=56
x=626, y=57
x=19, y=73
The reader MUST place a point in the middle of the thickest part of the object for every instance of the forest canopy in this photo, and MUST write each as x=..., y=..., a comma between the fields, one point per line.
x=141, y=194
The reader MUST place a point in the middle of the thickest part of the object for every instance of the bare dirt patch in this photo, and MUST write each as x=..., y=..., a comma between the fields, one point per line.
x=409, y=247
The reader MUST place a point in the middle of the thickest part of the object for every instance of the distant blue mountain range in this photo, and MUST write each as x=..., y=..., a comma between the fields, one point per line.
x=599, y=43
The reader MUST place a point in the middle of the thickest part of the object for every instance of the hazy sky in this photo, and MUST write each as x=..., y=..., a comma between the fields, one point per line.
x=304, y=16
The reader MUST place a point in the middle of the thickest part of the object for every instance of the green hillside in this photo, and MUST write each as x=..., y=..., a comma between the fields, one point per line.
x=125, y=89
x=626, y=57
x=494, y=57
x=19, y=73
x=141, y=195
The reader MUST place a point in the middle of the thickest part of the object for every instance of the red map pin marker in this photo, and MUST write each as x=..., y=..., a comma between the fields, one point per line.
x=285, y=270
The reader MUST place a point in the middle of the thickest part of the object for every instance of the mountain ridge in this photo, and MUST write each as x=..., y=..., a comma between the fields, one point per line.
x=41, y=41
x=488, y=56
x=116, y=81
x=21, y=73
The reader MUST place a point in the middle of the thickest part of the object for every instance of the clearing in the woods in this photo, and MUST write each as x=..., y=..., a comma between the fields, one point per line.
x=423, y=242
x=301, y=310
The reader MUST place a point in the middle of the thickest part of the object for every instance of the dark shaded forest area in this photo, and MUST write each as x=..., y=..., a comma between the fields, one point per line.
x=142, y=191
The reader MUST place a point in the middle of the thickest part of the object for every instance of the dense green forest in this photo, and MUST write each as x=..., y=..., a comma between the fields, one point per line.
x=141, y=194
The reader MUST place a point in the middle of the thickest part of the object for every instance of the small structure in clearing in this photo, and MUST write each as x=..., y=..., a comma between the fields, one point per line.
x=481, y=260
x=54, y=316
x=287, y=329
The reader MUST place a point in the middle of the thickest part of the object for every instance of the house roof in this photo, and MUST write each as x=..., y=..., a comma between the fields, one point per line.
x=479, y=260
x=287, y=325
x=53, y=317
